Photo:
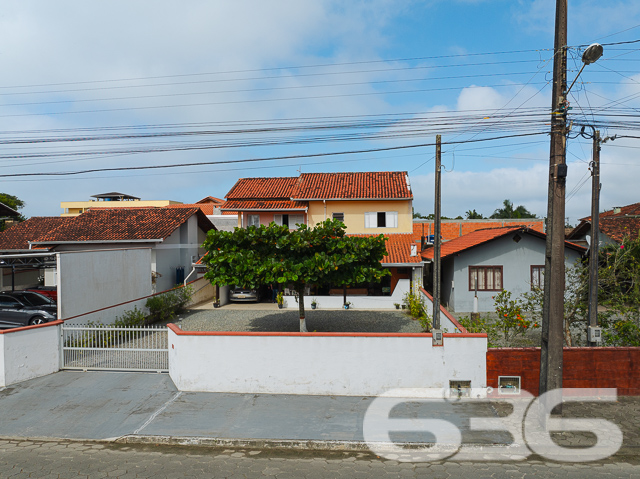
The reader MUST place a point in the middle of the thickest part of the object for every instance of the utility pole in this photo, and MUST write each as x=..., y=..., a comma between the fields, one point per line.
x=436, y=240
x=595, y=227
x=553, y=304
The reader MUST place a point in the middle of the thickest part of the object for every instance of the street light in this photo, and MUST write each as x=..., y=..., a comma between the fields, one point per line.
x=590, y=55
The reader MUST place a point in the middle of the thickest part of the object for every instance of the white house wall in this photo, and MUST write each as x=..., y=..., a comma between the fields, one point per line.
x=322, y=364
x=516, y=260
x=92, y=280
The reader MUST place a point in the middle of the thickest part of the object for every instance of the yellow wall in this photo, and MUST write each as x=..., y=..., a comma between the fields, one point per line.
x=74, y=208
x=354, y=214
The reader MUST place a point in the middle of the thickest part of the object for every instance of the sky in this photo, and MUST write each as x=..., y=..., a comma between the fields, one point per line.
x=250, y=88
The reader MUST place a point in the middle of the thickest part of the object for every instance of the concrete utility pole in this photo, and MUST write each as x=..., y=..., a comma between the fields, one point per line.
x=595, y=227
x=553, y=307
x=436, y=240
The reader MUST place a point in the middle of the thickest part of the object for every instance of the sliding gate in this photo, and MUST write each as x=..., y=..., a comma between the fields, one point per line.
x=142, y=348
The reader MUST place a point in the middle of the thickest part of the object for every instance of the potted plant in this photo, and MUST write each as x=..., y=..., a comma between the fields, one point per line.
x=280, y=299
x=314, y=303
x=397, y=305
x=347, y=304
x=216, y=303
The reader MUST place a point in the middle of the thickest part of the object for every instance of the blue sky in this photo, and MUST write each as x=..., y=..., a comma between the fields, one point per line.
x=88, y=69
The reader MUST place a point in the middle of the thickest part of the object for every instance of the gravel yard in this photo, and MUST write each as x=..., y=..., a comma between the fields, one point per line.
x=335, y=321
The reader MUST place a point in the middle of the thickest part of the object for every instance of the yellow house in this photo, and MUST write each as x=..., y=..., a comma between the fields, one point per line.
x=110, y=200
x=368, y=203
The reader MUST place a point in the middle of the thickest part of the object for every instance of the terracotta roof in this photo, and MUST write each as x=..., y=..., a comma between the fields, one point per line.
x=399, y=249
x=206, y=208
x=262, y=188
x=17, y=236
x=615, y=223
x=450, y=229
x=122, y=224
x=367, y=185
x=479, y=237
x=266, y=205
x=210, y=199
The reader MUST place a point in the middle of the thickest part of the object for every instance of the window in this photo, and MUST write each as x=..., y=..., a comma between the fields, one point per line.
x=488, y=278
x=381, y=219
x=509, y=384
x=338, y=216
x=537, y=277
x=253, y=220
x=288, y=220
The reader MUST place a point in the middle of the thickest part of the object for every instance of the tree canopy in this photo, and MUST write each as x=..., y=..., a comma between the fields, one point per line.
x=508, y=211
x=473, y=215
x=14, y=203
x=272, y=254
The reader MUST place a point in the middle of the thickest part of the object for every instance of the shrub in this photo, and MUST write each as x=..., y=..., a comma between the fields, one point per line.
x=131, y=318
x=417, y=310
x=163, y=307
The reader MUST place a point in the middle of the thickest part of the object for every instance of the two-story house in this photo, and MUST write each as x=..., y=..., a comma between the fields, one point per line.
x=368, y=203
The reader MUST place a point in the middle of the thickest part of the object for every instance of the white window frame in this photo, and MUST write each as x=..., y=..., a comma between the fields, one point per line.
x=292, y=220
x=371, y=219
x=251, y=220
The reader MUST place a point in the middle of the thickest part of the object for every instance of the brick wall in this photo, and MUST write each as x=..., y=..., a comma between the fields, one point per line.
x=451, y=229
x=583, y=368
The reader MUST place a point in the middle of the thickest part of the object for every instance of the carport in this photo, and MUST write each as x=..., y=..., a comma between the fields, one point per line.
x=32, y=269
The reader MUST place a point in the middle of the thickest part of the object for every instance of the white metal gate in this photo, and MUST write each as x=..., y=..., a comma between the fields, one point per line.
x=106, y=347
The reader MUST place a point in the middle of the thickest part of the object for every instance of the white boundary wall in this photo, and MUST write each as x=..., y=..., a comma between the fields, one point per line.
x=357, y=302
x=322, y=363
x=446, y=323
x=91, y=280
x=30, y=352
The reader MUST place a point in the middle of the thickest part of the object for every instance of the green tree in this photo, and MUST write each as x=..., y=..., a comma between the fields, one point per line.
x=508, y=211
x=14, y=203
x=473, y=215
x=273, y=254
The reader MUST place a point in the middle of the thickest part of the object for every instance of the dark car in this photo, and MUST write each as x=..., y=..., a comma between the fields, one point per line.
x=14, y=312
x=32, y=298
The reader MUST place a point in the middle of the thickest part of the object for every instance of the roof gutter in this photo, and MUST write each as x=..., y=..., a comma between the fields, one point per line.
x=98, y=241
x=352, y=199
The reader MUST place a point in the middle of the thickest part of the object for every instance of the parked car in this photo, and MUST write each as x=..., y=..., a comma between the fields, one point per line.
x=48, y=291
x=32, y=298
x=239, y=293
x=14, y=312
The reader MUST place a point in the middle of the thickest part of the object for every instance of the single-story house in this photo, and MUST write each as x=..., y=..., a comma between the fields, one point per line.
x=490, y=260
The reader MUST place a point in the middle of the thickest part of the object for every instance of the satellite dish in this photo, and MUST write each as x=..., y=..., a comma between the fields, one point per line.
x=592, y=53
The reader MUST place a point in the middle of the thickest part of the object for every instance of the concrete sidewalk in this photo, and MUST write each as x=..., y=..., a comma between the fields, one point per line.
x=144, y=407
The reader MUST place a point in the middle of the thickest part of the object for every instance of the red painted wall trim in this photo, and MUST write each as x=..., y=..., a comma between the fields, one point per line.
x=25, y=328
x=455, y=322
x=180, y=332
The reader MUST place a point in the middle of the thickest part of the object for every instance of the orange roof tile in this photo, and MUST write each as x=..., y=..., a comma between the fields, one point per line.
x=206, y=208
x=122, y=224
x=210, y=199
x=265, y=205
x=479, y=237
x=366, y=185
x=17, y=236
x=450, y=229
x=399, y=249
x=615, y=224
x=262, y=188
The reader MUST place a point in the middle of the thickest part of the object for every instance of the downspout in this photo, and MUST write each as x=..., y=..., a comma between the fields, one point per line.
x=193, y=270
x=325, y=209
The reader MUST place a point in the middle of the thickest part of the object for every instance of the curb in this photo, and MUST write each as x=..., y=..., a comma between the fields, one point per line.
x=325, y=445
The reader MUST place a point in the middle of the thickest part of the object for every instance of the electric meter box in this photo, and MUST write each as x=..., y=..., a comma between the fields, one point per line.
x=594, y=334
x=437, y=337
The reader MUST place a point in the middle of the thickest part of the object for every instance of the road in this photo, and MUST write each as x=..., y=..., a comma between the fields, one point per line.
x=65, y=459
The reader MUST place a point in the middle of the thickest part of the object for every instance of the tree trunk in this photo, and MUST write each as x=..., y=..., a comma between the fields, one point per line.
x=303, y=321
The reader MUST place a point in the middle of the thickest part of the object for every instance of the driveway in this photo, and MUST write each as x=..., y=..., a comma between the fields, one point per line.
x=267, y=317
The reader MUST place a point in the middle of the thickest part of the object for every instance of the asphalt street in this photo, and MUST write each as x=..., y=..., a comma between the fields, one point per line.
x=63, y=459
